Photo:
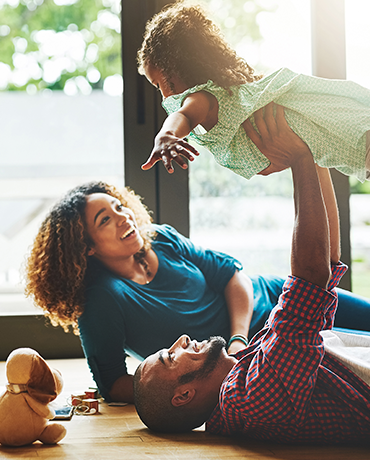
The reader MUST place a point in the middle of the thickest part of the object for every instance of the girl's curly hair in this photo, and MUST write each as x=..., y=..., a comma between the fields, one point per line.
x=181, y=41
x=56, y=267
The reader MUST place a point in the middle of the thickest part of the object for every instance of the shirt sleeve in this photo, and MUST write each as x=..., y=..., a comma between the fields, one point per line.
x=337, y=271
x=218, y=268
x=293, y=347
x=102, y=334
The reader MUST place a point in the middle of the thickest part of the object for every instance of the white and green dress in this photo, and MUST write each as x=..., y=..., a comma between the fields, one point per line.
x=331, y=116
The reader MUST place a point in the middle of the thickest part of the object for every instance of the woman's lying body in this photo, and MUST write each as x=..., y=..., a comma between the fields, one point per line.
x=128, y=292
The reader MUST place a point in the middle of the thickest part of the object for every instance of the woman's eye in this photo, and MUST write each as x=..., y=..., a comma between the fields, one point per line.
x=119, y=207
x=104, y=220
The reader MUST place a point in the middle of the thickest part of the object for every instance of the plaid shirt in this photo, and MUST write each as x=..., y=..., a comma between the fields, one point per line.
x=284, y=387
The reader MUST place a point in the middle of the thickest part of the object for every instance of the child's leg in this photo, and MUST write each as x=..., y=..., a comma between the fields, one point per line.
x=367, y=164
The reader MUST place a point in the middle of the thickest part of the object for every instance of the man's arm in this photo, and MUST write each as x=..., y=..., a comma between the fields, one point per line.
x=282, y=377
x=332, y=212
x=310, y=257
x=310, y=244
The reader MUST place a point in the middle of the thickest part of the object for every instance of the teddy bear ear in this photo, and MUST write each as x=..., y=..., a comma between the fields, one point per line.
x=41, y=385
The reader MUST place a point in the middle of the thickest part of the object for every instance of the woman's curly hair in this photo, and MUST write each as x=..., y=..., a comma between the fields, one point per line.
x=56, y=267
x=181, y=41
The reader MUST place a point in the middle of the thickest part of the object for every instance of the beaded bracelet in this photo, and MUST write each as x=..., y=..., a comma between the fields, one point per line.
x=240, y=337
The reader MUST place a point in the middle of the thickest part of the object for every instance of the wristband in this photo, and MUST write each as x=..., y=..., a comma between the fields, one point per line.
x=242, y=338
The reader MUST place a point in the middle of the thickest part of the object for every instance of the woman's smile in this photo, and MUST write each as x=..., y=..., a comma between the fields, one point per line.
x=109, y=224
x=129, y=233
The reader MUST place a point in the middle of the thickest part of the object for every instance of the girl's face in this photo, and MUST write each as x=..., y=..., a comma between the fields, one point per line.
x=167, y=88
x=111, y=227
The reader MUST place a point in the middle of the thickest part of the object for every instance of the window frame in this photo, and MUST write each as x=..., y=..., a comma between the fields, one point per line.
x=167, y=195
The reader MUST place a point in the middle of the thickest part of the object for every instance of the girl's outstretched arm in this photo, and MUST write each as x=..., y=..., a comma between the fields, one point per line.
x=169, y=144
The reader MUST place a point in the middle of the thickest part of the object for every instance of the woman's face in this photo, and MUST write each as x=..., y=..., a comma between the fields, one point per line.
x=111, y=227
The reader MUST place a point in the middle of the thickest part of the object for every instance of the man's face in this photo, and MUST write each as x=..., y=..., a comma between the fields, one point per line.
x=185, y=361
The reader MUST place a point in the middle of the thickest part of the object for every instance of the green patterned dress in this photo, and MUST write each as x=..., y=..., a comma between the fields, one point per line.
x=331, y=116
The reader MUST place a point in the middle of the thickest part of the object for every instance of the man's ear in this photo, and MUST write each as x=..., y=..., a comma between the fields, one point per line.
x=91, y=252
x=183, y=397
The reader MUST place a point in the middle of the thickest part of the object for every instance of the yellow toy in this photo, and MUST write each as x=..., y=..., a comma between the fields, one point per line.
x=24, y=410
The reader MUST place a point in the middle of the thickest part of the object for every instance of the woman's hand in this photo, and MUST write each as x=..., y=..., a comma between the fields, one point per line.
x=168, y=148
x=276, y=140
x=235, y=347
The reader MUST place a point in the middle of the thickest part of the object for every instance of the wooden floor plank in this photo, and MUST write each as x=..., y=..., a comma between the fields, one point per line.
x=117, y=433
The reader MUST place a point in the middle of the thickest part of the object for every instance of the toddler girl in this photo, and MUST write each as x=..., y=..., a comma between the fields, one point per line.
x=209, y=93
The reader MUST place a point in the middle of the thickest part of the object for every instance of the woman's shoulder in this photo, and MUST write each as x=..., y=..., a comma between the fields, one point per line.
x=169, y=240
x=164, y=233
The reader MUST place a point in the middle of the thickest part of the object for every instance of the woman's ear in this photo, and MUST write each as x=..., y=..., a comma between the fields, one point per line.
x=183, y=397
x=91, y=252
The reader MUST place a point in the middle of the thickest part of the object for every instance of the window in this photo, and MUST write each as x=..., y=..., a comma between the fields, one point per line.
x=357, y=50
x=252, y=220
x=61, y=83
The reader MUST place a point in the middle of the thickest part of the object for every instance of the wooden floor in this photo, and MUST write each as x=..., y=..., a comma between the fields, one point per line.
x=117, y=433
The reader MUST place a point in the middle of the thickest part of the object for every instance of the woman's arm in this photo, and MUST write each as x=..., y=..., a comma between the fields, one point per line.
x=169, y=144
x=123, y=389
x=239, y=300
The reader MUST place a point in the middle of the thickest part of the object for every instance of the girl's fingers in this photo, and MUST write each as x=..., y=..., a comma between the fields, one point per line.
x=150, y=162
x=167, y=161
x=184, y=151
x=175, y=155
x=181, y=162
x=182, y=144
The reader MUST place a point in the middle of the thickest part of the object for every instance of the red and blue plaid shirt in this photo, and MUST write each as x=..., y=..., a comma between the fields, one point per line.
x=284, y=387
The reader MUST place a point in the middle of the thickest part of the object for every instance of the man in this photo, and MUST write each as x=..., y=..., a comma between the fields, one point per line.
x=283, y=386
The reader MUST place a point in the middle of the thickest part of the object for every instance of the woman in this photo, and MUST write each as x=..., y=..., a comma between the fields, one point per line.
x=127, y=286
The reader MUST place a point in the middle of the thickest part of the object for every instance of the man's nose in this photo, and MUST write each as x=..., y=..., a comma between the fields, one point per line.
x=182, y=342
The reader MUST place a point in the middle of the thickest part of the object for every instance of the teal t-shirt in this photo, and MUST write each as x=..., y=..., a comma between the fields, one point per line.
x=186, y=295
x=331, y=116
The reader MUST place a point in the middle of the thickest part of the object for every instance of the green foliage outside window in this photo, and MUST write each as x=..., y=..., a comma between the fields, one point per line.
x=45, y=43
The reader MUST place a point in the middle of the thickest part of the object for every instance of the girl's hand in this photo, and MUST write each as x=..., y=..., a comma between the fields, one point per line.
x=168, y=148
x=276, y=140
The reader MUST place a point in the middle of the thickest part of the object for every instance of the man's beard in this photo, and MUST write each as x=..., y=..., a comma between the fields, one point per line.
x=217, y=344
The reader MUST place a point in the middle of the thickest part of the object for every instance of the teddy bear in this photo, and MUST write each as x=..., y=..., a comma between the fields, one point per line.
x=24, y=410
